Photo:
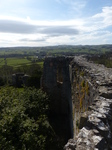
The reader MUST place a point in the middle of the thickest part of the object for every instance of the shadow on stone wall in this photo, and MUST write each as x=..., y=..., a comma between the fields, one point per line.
x=56, y=82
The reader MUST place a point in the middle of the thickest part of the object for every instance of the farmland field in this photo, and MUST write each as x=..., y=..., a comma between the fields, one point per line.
x=21, y=56
x=17, y=62
x=14, y=61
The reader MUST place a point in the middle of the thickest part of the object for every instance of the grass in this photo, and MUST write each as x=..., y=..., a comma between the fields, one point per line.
x=40, y=63
x=14, y=62
x=17, y=62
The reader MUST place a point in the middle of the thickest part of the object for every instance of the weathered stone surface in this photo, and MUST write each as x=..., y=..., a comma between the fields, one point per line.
x=56, y=82
x=91, y=87
x=71, y=145
x=96, y=123
x=84, y=118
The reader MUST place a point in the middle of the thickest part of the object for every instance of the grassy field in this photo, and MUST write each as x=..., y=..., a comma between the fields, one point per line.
x=17, y=62
x=14, y=61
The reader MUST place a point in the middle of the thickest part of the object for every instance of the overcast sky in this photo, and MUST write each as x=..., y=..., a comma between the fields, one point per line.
x=55, y=22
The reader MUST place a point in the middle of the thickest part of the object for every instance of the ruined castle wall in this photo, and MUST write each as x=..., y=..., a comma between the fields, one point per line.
x=56, y=82
x=92, y=106
x=83, y=89
x=83, y=94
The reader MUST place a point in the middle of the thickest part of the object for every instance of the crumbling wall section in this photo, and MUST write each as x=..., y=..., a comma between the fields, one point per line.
x=92, y=106
x=56, y=82
x=83, y=94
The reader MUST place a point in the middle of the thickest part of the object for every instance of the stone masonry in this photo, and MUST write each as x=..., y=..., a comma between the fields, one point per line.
x=56, y=82
x=95, y=120
x=81, y=93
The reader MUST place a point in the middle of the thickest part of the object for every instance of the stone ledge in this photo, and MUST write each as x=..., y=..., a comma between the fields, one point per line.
x=96, y=123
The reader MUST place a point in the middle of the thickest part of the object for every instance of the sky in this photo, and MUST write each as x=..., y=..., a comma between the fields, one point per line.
x=55, y=22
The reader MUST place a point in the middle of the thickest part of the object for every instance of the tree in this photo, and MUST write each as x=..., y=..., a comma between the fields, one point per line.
x=6, y=73
x=24, y=121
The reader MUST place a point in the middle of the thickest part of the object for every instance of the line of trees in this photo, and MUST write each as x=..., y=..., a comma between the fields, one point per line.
x=105, y=59
x=34, y=71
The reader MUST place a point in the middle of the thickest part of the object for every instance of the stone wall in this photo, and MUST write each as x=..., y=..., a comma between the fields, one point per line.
x=81, y=101
x=92, y=106
x=56, y=82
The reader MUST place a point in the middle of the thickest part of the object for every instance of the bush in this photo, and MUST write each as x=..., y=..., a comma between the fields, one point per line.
x=24, y=123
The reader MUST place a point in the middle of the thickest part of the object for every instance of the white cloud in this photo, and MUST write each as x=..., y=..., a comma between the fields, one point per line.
x=104, y=18
x=100, y=21
x=27, y=26
x=27, y=32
